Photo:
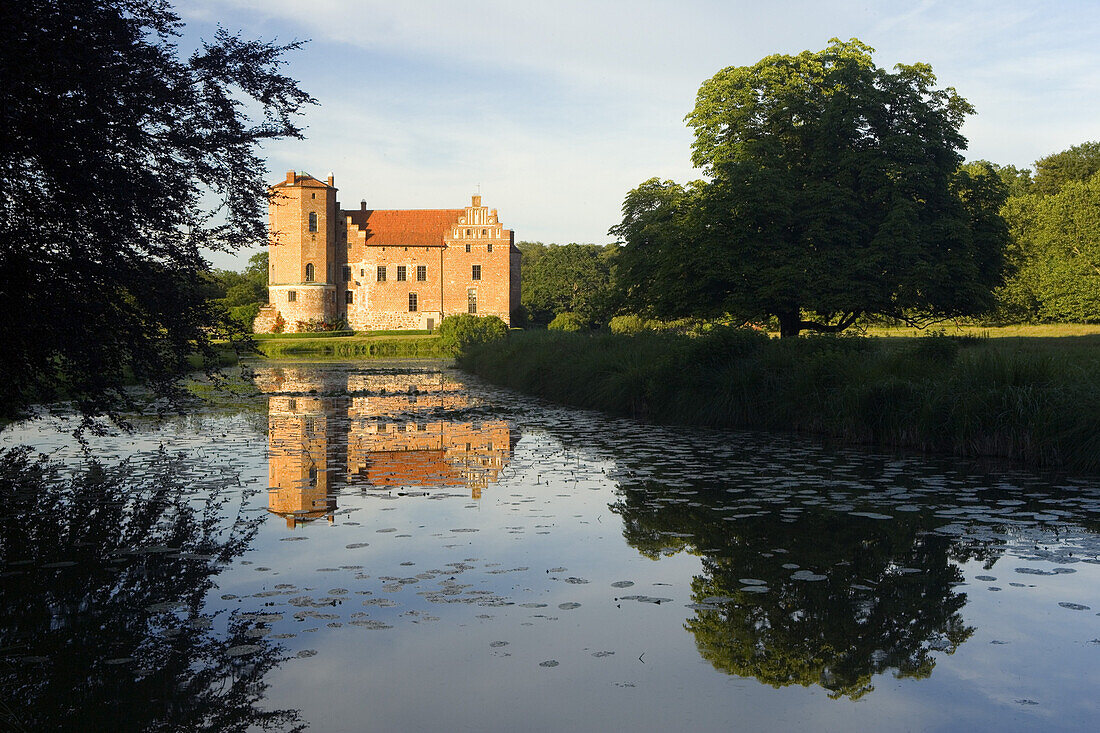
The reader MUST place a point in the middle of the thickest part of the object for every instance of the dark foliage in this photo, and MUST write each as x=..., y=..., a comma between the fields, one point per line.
x=969, y=397
x=110, y=146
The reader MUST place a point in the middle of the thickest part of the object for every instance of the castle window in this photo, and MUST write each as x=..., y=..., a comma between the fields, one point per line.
x=484, y=232
x=313, y=221
x=490, y=246
x=467, y=232
x=362, y=272
x=291, y=296
x=292, y=404
x=381, y=273
x=400, y=273
x=421, y=273
x=313, y=195
x=475, y=272
x=349, y=297
x=467, y=246
x=412, y=302
x=347, y=274
x=471, y=301
x=309, y=272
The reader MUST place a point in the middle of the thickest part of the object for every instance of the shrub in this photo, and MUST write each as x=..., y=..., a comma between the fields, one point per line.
x=627, y=325
x=244, y=315
x=459, y=332
x=567, y=322
x=319, y=325
x=280, y=324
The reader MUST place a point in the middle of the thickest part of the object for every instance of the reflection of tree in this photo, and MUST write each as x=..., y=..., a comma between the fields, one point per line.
x=885, y=603
x=101, y=621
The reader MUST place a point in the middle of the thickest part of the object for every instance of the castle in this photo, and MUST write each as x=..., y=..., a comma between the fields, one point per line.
x=382, y=269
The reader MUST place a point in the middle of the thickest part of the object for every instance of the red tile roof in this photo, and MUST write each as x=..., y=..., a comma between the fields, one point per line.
x=405, y=227
x=411, y=468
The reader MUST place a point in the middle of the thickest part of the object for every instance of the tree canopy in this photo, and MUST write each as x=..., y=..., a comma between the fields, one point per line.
x=570, y=278
x=1055, y=250
x=239, y=295
x=113, y=147
x=833, y=189
x=1079, y=163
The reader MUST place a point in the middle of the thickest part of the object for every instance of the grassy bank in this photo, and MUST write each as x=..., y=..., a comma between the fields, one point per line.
x=1036, y=400
x=353, y=347
x=1025, y=330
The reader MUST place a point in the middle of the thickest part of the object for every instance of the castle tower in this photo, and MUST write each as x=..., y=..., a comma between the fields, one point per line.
x=302, y=225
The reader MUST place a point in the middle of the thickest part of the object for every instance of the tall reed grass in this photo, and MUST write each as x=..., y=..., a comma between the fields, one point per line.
x=963, y=395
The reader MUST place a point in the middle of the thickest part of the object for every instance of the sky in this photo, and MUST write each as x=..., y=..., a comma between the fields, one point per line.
x=554, y=111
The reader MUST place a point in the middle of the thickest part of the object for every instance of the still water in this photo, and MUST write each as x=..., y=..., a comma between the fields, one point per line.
x=397, y=547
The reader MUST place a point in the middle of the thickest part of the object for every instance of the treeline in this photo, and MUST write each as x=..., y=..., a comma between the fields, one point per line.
x=1051, y=268
x=569, y=283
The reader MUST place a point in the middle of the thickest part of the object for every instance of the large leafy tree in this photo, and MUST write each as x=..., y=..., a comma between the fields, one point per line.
x=833, y=190
x=112, y=148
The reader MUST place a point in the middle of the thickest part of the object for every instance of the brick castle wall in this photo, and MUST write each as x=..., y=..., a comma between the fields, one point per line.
x=310, y=302
x=346, y=255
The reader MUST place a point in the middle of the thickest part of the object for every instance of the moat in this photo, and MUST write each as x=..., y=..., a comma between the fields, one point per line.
x=376, y=546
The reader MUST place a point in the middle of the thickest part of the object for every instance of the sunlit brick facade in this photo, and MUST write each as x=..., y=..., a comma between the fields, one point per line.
x=383, y=269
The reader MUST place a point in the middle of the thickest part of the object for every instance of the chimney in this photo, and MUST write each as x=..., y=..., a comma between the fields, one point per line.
x=290, y=177
x=330, y=180
x=363, y=204
x=476, y=200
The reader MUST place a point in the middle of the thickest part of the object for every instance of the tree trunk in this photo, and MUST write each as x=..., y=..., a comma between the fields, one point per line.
x=790, y=323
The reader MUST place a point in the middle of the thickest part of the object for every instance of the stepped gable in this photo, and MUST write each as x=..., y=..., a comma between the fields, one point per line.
x=404, y=227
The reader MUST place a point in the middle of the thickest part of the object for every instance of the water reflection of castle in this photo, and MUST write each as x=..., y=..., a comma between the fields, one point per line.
x=329, y=428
